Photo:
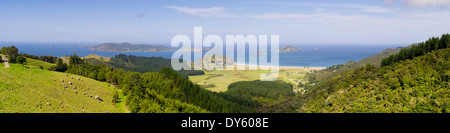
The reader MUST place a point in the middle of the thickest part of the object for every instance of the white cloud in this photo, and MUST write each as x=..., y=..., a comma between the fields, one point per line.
x=427, y=3
x=314, y=17
x=361, y=17
x=354, y=7
x=202, y=12
x=319, y=18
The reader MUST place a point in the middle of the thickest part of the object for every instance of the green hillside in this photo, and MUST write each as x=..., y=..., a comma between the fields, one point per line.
x=139, y=64
x=410, y=86
x=257, y=94
x=165, y=91
x=34, y=90
x=35, y=64
x=328, y=73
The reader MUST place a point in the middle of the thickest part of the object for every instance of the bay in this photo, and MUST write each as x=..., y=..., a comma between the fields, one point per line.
x=311, y=55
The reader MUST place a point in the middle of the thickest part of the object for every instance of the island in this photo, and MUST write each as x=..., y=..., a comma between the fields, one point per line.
x=289, y=48
x=127, y=47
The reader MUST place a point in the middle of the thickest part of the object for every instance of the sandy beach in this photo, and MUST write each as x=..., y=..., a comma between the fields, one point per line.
x=280, y=67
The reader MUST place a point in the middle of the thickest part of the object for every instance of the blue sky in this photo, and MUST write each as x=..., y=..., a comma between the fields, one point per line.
x=368, y=22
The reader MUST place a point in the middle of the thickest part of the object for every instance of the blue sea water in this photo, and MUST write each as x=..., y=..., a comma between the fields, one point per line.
x=311, y=55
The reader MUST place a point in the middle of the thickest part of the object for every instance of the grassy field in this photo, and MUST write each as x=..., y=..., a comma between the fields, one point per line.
x=100, y=58
x=220, y=79
x=34, y=64
x=28, y=90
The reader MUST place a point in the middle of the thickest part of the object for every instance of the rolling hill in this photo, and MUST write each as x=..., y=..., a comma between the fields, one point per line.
x=26, y=90
x=329, y=72
x=139, y=64
x=418, y=85
x=37, y=64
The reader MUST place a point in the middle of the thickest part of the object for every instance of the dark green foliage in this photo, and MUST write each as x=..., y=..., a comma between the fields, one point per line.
x=76, y=60
x=163, y=91
x=29, y=56
x=142, y=64
x=330, y=72
x=46, y=58
x=49, y=59
x=141, y=89
x=115, y=97
x=194, y=94
x=21, y=60
x=60, y=66
x=417, y=85
x=11, y=53
x=139, y=64
x=245, y=92
x=415, y=50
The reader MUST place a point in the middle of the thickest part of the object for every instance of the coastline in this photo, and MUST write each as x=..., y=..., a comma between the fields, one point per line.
x=280, y=67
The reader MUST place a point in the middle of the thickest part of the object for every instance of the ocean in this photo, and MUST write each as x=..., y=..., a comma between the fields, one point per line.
x=311, y=55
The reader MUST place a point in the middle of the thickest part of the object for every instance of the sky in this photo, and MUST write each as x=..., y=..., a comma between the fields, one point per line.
x=367, y=22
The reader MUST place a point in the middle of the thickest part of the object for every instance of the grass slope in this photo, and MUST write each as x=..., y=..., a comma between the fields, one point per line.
x=34, y=64
x=27, y=90
x=97, y=57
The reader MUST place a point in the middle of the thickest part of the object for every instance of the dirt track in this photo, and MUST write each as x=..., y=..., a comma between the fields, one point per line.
x=5, y=61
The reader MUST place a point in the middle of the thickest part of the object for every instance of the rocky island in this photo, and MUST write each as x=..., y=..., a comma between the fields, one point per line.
x=289, y=48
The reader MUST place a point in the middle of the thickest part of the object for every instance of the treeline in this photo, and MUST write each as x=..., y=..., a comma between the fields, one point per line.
x=318, y=77
x=420, y=49
x=248, y=93
x=13, y=55
x=142, y=64
x=193, y=93
x=163, y=91
x=418, y=85
x=46, y=58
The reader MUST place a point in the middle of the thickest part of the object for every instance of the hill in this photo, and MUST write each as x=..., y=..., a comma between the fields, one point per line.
x=99, y=58
x=257, y=94
x=156, y=92
x=329, y=72
x=139, y=64
x=37, y=64
x=127, y=47
x=28, y=90
x=410, y=86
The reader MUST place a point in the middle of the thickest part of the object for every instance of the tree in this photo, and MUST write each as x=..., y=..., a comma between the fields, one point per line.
x=445, y=41
x=60, y=66
x=115, y=97
x=11, y=52
x=3, y=50
x=21, y=60
x=432, y=44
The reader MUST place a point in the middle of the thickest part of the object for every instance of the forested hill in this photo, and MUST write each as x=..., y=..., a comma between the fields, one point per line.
x=329, y=72
x=384, y=58
x=420, y=84
x=165, y=91
x=417, y=85
x=415, y=50
x=156, y=92
x=137, y=63
x=127, y=47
